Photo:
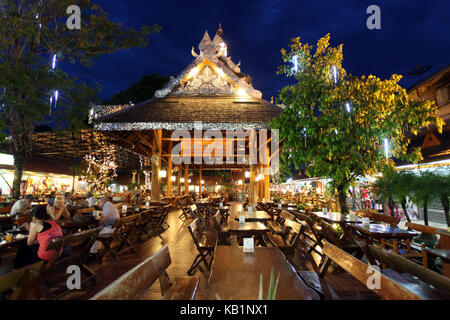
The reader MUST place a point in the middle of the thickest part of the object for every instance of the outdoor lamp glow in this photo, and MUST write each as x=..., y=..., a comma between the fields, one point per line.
x=247, y=174
x=182, y=180
x=239, y=182
x=173, y=178
x=203, y=181
x=189, y=180
x=163, y=173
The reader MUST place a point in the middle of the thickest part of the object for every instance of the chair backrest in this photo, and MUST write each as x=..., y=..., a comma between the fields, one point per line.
x=378, y=217
x=118, y=205
x=84, y=210
x=423, y=228
x=20, y=281
x=217, y=219
x=388, y=289
x=5, y=210
x=133, y=284
x=195, y=232
x=193, y=207
x=286, y=215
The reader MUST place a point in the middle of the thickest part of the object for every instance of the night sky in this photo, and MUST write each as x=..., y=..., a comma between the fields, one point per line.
x=412, y=32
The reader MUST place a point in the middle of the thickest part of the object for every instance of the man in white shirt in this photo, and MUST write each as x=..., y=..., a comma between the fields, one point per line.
x=21, y=206
x=90, y=199
x=110, y=214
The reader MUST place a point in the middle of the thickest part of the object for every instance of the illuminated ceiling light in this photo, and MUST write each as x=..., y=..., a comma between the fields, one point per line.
x=189, y=180
x=239, y=182
x=163, y=173
x=182, y=180
x=203, y=181
x=173, y=178
x=247, y=174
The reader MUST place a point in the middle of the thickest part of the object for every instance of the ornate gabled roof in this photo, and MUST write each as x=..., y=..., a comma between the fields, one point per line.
x=212, y=73
x=212, y=89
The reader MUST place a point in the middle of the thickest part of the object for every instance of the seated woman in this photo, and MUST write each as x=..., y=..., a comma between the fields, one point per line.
x=56, y=208
x=43, y=229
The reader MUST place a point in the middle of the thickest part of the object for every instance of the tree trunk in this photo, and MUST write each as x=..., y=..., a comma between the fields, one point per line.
x=404, y=209
x=19, y=161
x=391, y=205
x=446, y=205
x=425, y=213
x=343, y=199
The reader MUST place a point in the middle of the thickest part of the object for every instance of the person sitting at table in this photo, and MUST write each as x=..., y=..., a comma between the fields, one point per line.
x=110, y=214
x=68, y=199
x=90, y=199
x=56, y=208
x=21, y=206
x=43, y=229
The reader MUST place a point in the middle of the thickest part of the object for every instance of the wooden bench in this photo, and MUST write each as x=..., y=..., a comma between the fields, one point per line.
x=18, y=285
x=84, y=211
x=388, y=289
x=133, y=284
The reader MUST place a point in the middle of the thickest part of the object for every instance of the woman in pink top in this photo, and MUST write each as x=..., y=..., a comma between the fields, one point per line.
x=42, y=231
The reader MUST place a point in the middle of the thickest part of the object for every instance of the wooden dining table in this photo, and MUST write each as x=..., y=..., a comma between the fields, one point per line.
x=336, y=217
x=248, y=230
x=255, y=216
x=235, y=275
x=379, y=231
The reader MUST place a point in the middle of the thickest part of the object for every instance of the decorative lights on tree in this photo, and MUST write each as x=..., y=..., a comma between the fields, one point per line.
x=100, y=169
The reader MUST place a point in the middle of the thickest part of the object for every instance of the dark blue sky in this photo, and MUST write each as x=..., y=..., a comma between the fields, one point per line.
x=412, y=32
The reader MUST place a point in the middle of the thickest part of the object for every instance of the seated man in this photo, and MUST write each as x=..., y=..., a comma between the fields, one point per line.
x=110, y=214
x=22, y=206
x=90, y=199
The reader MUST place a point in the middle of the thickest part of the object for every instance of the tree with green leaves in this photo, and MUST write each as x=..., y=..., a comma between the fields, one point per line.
x=34, y=34
x=442, y=187
x=423, y=191
x=336, y=123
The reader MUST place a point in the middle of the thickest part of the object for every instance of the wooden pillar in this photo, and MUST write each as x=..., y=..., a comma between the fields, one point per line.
x=169, y=170
x=156, y=166
x=267, y=176
x=200, y=181
x=186, y=179
x=180, y=172
x=252, y=185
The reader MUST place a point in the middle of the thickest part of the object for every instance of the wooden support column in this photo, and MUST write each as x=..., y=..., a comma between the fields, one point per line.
x=180, y=172
x=186, y=179
x=252, y=185
x=156, y=166
x=267, y=176
x=200, y=182
x=169, y=170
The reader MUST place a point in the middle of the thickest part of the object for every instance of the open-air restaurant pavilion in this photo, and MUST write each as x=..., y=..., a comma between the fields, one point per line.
x=196, y=213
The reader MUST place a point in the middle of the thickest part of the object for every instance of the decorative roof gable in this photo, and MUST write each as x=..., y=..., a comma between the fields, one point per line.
x=212, y=73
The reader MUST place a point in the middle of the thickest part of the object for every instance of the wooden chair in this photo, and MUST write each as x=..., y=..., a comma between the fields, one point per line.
x=159, y=220
x=221, y=228
x=311, y=239
x=84, y=211
x=124, y=229
x=133, y=284
x=286, y=241
x=185, y=212
x=143, y=228
x=80, y=245
x=277, y=226
x=205, y=243
x=18, y=285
